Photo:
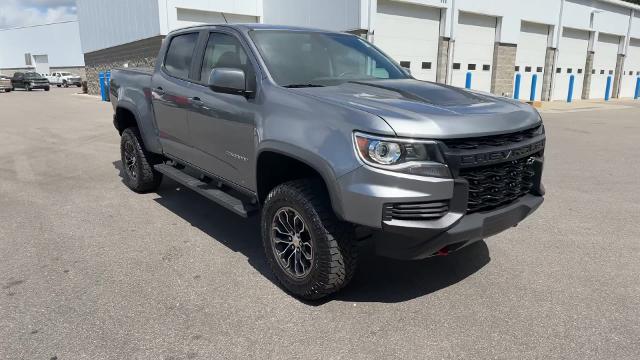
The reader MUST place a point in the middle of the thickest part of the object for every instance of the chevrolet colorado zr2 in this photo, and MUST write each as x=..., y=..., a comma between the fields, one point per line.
x=326, y=137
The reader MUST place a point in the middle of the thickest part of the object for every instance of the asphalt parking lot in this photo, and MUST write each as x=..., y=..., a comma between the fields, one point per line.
x=91, y=270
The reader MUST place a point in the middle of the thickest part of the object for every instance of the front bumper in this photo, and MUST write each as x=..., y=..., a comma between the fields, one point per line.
x=365, y=191
x=411, y=243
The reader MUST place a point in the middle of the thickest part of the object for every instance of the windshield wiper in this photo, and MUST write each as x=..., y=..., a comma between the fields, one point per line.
x=291, y=86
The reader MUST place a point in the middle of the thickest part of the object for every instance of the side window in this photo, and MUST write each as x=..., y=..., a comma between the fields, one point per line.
x=224, y=51
x=177, y=62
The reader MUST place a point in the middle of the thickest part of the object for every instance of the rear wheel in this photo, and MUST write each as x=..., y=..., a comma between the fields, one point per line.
x=137, y=163
x=58, y=85
x=311, y=252
x=47, y=88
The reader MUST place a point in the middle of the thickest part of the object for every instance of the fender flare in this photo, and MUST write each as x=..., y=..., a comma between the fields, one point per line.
x=310, y=159
x=149, y=138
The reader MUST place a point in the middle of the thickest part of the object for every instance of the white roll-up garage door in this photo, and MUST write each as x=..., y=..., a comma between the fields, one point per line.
x=631, y=69
x=604, y=64
x=409, y=33
x=532, y=49
x=473, y=53
x=572, y=57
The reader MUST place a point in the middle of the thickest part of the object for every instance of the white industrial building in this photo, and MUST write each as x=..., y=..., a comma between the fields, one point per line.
x=41, y=48
x=488, y=42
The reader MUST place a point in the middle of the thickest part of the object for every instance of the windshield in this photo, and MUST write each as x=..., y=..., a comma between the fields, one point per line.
x=300, y=58
x=32, y=75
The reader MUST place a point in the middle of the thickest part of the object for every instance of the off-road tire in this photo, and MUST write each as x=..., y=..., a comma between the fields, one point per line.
x=47, y=88
x=58, y=85
x=146, y=178
x=335, y=249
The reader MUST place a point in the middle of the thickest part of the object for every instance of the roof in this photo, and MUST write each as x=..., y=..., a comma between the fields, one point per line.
x=249, y=27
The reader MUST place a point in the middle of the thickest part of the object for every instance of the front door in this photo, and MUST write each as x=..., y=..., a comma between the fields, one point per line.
x=222, y=125
x=170, y=101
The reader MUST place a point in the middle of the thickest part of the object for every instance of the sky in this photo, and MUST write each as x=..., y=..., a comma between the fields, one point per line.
x=14, y=13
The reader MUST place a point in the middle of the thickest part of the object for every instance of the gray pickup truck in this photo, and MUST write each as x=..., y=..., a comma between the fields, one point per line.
x=332, y=142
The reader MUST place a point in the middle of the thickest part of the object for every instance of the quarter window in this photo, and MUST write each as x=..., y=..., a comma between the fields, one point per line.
x=177, y=62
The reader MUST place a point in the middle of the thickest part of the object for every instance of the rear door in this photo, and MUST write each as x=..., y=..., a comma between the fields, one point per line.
x=223, y=125
x=169, y=86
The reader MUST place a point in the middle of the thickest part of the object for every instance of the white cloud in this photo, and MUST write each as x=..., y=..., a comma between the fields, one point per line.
x=15, y=13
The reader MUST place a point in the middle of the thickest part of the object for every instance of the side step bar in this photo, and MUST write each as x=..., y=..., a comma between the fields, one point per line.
x=210, y=192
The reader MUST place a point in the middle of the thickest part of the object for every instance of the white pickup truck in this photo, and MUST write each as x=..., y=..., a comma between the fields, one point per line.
x=63, y=79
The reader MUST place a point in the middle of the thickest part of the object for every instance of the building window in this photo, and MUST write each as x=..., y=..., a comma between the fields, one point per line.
x=486, y=67
x=426, y=65
x=456, y=66
x=405, y=64
x=593, y=71
x=517, y=68
x=610, y=72
x=601, y=72
x=527, y=69
x=569, y=70
x=630, y=72
x=558, y=70
x=579, y=71
x=539, y=69
x=471, y=67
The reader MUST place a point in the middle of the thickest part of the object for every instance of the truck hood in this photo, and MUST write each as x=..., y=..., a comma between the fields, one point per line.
x=422, y=109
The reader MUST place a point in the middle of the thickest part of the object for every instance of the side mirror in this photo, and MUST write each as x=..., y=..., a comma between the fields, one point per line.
x=229, y=80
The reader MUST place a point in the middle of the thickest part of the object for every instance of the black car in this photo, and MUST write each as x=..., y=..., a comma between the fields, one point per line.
x=29, y=81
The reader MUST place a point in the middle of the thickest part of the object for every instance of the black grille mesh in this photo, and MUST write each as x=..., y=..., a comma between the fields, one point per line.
x=415, y=211
x=496, y=185
x=492, y=141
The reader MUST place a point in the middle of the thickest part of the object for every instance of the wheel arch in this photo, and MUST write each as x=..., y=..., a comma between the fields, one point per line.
x=126, y=115
x=273, y=158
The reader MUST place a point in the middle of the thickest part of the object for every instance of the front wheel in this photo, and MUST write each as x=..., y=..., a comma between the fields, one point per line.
x=65, y=84
x=311, y=252
x=137, y=163
x=27, y=87
x=47, y=88
x=58, y=85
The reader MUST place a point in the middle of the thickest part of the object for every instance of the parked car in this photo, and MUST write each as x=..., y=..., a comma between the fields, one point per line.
x=64, y=79
x=5, y=83
x=331, y=142
x=29, y=81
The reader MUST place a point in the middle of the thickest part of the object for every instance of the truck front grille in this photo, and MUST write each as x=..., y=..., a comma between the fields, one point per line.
x=495, y=185
x=415, y=211
x=488, y=142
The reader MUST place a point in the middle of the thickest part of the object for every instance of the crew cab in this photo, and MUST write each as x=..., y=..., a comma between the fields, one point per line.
x=64, y=79
x=330, y=142
x=29, y=81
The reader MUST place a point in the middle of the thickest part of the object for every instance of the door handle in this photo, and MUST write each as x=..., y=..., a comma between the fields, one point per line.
x=196, y=101
x=159, y=91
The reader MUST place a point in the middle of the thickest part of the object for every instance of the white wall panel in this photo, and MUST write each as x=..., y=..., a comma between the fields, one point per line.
x=604, y=64
x=530, y=57
x=474, y=47
x=194, y=10
x=104, y=24
x=60, y=42
x=631, y=69
x=409, y=32
x=337, y=15
x=572, y=58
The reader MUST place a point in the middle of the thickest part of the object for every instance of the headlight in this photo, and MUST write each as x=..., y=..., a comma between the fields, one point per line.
x=415, y=157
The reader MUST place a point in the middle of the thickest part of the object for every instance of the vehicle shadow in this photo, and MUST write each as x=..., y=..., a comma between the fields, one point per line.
x=378, y=279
